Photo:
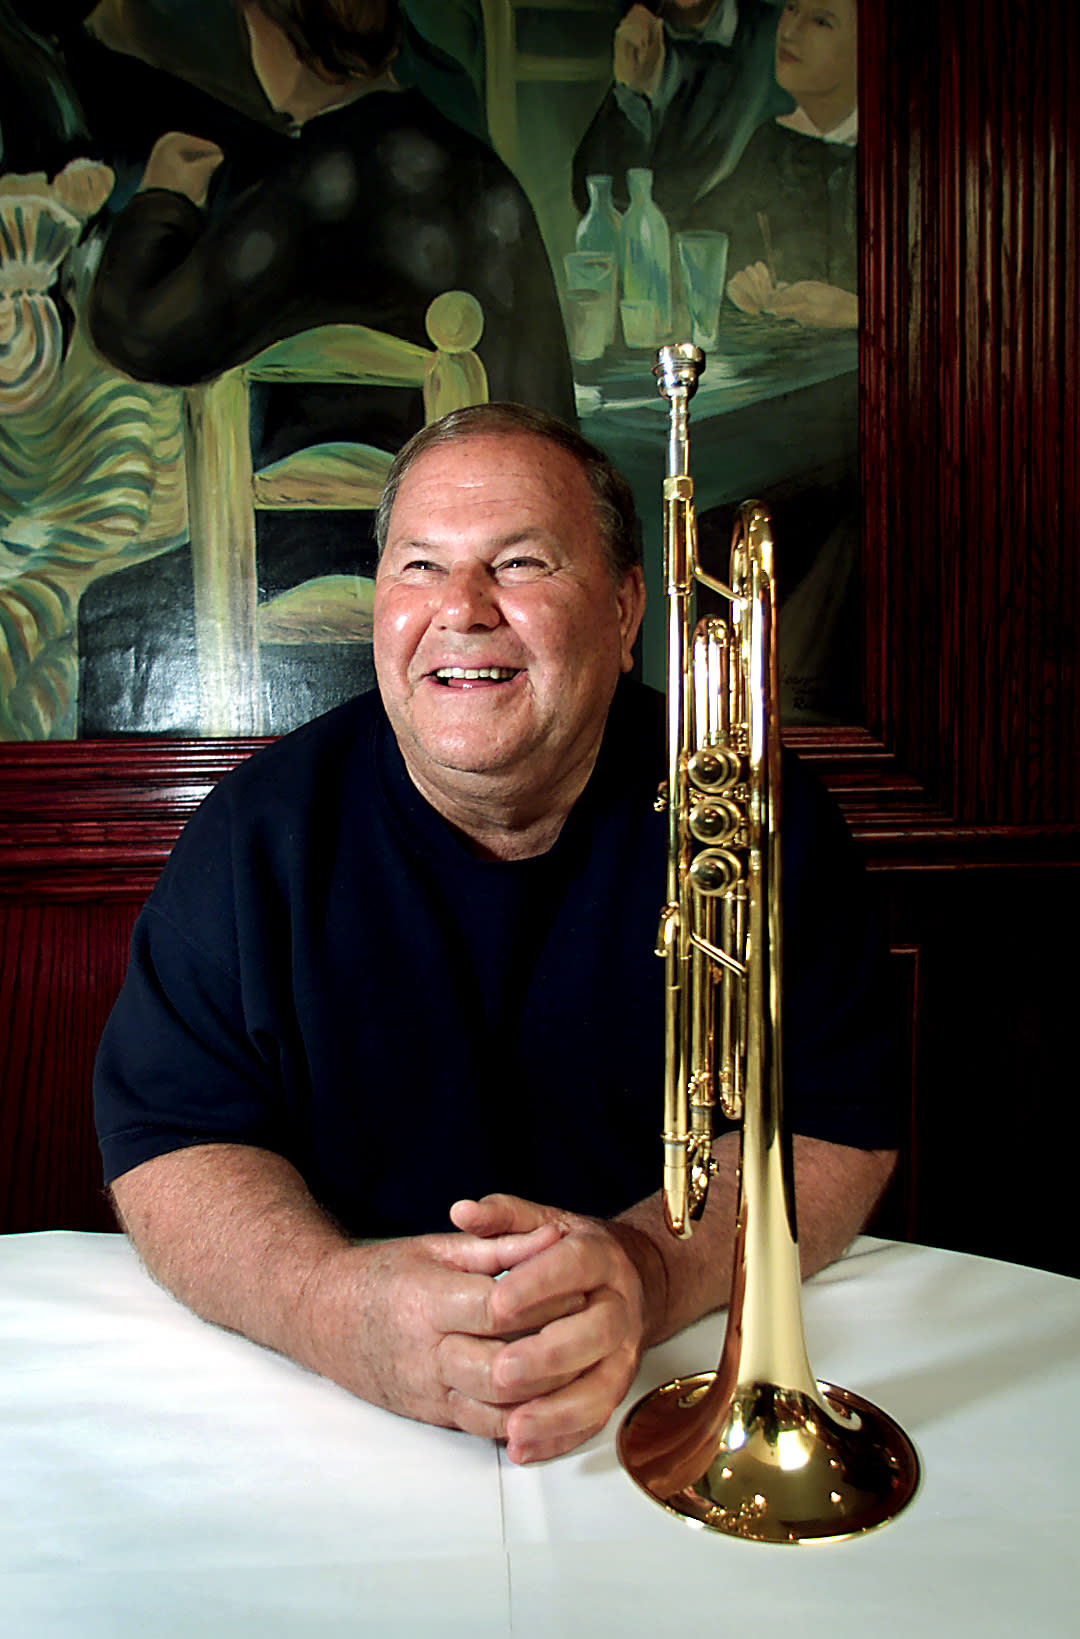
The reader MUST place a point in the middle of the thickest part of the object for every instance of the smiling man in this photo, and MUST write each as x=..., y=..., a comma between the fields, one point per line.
x=401, y=963
x=501, y=629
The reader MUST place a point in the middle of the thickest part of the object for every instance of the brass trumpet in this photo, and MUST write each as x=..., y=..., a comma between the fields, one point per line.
x=757, y=1449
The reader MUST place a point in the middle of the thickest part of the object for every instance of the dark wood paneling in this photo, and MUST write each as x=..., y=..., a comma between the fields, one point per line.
x=996, y=1114
x=970, y=147
x=60, y=968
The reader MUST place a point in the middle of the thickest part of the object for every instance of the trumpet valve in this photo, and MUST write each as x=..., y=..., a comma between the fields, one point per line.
x=714, y=768
x=701, y=1095
x=729, y=1095
x=714, y=872
x=714, y=819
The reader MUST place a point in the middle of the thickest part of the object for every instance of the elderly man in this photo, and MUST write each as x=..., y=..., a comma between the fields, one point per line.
x=402, y=960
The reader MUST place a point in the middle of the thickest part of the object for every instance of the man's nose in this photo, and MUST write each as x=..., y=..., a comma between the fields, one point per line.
x=468, y=599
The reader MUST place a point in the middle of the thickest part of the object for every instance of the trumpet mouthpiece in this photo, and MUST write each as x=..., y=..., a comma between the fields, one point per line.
x=678, y=367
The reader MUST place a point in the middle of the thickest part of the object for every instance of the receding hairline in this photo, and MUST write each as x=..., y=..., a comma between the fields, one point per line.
x=612, y=498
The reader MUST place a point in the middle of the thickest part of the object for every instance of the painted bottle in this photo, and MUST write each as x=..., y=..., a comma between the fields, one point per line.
x=599, y=233
x=646, y=251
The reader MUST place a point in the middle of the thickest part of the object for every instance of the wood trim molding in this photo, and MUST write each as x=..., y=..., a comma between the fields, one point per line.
x=93, y=817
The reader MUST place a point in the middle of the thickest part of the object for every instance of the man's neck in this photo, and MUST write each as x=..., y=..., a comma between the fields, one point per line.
x=492, y=817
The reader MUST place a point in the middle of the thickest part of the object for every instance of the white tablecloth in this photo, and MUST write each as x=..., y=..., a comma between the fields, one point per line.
x=163, y=1479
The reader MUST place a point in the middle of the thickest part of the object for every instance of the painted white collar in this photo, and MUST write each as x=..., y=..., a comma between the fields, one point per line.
x=846, y=133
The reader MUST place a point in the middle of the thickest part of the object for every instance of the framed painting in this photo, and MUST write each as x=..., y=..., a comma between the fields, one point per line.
x=233, y=299
x=936, y=300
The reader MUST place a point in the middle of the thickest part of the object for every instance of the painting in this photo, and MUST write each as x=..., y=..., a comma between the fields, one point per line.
x=247, y=247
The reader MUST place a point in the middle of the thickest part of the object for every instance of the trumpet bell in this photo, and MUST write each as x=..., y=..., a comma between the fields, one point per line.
x=782, y=1465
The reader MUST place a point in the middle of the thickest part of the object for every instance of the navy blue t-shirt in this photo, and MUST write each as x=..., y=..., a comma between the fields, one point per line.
x=325, y=970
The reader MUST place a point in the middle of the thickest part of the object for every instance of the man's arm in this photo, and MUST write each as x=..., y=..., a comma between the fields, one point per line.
x=421, y=1326
x=234, y=1233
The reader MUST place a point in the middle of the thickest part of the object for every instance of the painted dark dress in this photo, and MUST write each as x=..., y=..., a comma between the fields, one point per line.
x=807, y=189
x=363, y=216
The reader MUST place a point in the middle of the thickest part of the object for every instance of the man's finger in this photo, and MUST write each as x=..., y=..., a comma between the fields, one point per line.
x=476, y=1417
x=556, y=1423
x=459, y=1299
x=561, y=1350
x=573, y=1263
x=492, y=1255
x=501, y=1215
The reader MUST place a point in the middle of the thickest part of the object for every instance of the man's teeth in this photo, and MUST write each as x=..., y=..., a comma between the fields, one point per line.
x=497, y=674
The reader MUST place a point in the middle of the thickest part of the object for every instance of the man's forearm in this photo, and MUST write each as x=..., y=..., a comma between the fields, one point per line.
x=836, y=1189
x=234, y=1232
x=412, y=1325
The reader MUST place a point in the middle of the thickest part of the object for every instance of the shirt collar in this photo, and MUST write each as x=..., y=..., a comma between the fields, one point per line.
x=846, y=133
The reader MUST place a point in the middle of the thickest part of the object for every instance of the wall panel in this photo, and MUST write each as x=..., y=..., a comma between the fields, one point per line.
x=60, y=968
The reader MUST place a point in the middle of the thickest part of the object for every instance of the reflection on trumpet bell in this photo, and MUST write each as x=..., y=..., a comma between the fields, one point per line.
x=780, y=1465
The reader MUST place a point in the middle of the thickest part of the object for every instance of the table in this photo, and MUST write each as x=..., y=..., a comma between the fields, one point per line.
x=166, y=1479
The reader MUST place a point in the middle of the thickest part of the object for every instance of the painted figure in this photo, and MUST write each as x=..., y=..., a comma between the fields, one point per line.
x=271, y=175
x=692, y=80
x=363, y=209
x=789, y=207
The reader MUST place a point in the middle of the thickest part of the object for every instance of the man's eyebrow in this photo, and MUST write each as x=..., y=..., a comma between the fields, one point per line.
x=512, y=537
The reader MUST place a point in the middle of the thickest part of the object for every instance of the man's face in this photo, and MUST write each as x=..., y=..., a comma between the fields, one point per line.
x=499, y=630
x=816, y=47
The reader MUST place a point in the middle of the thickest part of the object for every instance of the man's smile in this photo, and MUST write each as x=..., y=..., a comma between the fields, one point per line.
x=464, y=676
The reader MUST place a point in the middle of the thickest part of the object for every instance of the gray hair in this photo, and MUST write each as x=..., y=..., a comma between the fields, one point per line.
x=613, y=499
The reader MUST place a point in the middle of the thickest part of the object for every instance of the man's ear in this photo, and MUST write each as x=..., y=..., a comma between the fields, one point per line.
x=631, y=601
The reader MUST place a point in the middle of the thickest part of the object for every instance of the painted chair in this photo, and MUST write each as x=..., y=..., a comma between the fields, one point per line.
x=225, y=493
x=507, y=66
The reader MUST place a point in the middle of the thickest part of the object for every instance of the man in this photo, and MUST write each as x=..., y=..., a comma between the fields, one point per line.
x=404, y=958
x=692, y=80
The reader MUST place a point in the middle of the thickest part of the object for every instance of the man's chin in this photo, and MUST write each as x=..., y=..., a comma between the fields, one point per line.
x=469, y=759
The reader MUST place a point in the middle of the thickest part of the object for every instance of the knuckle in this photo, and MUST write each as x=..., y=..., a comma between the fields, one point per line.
x=475, y=1416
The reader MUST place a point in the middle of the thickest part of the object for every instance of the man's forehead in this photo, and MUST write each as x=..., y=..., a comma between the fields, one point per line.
x=484, y=442
x=475, y=461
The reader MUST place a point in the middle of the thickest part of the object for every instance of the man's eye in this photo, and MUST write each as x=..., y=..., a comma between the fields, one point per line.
x=520, y=567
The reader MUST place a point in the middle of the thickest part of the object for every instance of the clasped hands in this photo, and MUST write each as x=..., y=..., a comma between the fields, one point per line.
x=538, y=1358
